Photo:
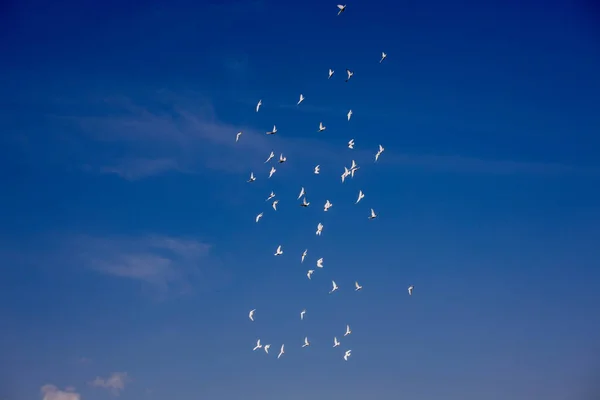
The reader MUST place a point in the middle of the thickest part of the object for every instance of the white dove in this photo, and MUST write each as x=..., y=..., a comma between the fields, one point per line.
x=378, y=154
x=349, y=115
x=327, y=206
x=258, y=217
x=282, y=159
x=279, y=251
x=319, y=229
x=347, y=355
x=275, y=205
x=258, y=105
x=317, y=169
x=334, y=287
x=272, y=171
x=342, y=8
x=309, y=273
x=270, y=196
x=302, y=193
x=351, y=144
x=274, y=131
x=302, y=314
x=354, y=167
x=383, y=56
x=358, y=287
x=361, y=196
x=306, y=343
x=410, y=290
x=281, y=351
x=348, y=331
x=258, y=345
x=251, y=315
x=373, y=215
x=350, y=73
x=345, y=174
x=320, y=263
x=335, y=342
x=321, y=127
x=237, y=136
x=252, y=177
x=267, y=347
x=304, y=255
x=270, y=157
x=304, y=203
x=301, y=99
x=331, y=72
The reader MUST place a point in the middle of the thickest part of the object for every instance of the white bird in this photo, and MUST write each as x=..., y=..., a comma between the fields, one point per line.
x=350, y=73
x=279, y=251
x=270, y=157
x=410, y=290
x=272, y=171
x=281, y=351
x=349, y=115
x=331, y=72
x=361, y=196
x=258, y=217
x=358, y=287
x=345, y=174
x=258, y=345
x=347, y=355
x=309, y=273
x=373, y=215
x=327, y=206
x=304, y=253
x=237, y=136
x=275, y=205
x=274, y=131
x=251, y=315
x=354, y=166
x=258, y=105
x=302, y=193
x=348, y=331
x=302, y=314
x=342, y=8
x=334, y=287
x=320, y=263
x=381, y=149
x=270, y=196
x=267, y=347
x=383, y=56
x=317, y=169
x=304, y=203
x=252, y=177
x=319, y=229
x=351, y=144
x=282, y=159
x=321, y=127
x=306, y=343
x=335, y=342
x=301, y=99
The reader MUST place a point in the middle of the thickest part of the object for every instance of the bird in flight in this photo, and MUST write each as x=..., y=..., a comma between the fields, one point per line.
x=279, y=251
x=267, y=347
x=410, y=290
x=345, y=174
x=383, y=56
x=258, y=217
x=258, y=105
x=335, y=342
x=304, y=203
x=342, y=8
x=349, y=115
x=348, y=331
x=334, y=287
x=319, y=229
x=251, y=315
x=301, y=99
x=302, y=193
x=317, y=169
x=353, y=168
x=282, y=159
x=270, y=196
x=373, y=215
x=351, y=144
x=275, y=205
x=321, y=127
x=302, y=314
x=331, y=72
x=309, y=273
x=306, y=343
x=350, y=73
x=270, y=157
x=361, y=196
x=272, y=171
x=237, y=136
x=358, y=287
x=252, y=177
x=304, y=253
x=347, y=355
x=258, y=345
x=320, y=263
x=281, y=351
x=378, y=154
x=327, y=206
x=274, y=131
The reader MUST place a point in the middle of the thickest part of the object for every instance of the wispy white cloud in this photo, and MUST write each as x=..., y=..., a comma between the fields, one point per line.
x=51, y=392
x=115, y=383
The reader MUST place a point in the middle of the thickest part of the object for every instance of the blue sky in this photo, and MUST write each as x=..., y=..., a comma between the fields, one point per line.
x=130, y=256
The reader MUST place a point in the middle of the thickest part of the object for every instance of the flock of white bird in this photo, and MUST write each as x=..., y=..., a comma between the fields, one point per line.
x=348, y=172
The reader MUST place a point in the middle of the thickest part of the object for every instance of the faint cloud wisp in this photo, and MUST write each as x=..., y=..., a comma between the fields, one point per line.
x=115, y=383
x=51, y=392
